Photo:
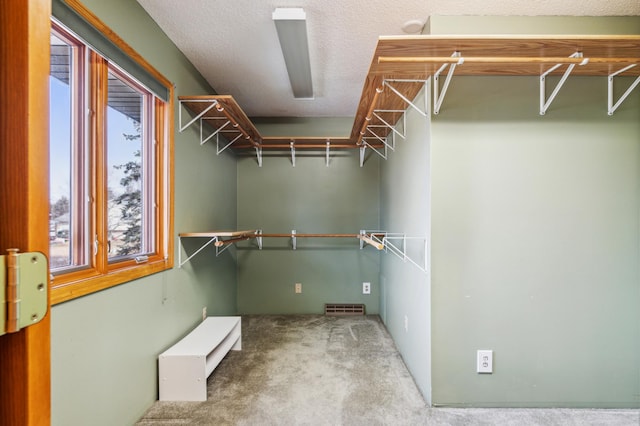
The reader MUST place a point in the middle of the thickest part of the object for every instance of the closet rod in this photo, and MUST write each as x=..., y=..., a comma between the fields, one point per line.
x=309, y=235
x=367, y=117
x=300, y=145
x=504, y=60
x=371, y=242
x=221, y=243
x=236, y=125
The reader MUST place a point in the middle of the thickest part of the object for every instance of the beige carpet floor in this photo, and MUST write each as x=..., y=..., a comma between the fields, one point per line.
x=319, y=370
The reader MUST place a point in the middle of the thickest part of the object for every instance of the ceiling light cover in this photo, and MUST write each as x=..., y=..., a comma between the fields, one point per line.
x=291, y=26
x=413, y=26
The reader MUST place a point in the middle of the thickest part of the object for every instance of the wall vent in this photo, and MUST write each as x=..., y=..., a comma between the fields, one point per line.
x=343, y=309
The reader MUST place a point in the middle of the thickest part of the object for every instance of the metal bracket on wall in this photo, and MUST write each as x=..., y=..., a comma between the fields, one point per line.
x=438, y=96
x=220, y=151
x=292, y=145
x=221, y=247
x=212, y=103
x=216, y=238
x=366, y=144
x=378, y=112
x=387, y=82
x=259, y=155
x=380, y=139
x=390, y=242
x=182, y=262
x=23, y=290
x=610, y=105
x=544, y=104
x=328, y=151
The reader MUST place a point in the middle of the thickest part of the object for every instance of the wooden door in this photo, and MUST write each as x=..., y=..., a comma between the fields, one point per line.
x=24, y=202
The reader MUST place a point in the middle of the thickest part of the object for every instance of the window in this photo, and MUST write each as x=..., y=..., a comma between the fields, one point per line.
x=67, y=189
x=110, y=179
x=130, y=165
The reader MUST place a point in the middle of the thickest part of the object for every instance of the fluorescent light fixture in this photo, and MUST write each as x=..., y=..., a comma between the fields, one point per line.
x=291, y=26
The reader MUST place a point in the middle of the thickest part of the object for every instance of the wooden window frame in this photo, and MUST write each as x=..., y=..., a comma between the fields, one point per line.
x=101, y=274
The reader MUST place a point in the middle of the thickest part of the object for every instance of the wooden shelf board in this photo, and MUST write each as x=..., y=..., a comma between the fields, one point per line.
x=621, y=49
x=232, y=110
x=504, y=46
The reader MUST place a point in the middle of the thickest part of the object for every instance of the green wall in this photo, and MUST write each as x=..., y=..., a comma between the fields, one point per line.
x=105, y=345
x=535, y=245
x=405, y=208
x=310, y=198
x=535, y=234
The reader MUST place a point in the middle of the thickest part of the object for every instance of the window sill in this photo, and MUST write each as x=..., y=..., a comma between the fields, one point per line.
x=81, y=287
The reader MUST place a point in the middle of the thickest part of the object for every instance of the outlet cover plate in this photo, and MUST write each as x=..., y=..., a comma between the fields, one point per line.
x=485, y=361
x=298, y=288
x=366, y=288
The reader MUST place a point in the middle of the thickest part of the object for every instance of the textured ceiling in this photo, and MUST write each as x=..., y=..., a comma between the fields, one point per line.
x=234, y=44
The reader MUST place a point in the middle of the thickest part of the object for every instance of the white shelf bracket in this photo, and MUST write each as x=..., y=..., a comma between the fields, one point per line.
x=197, y=117
x=375, y=150
x=220, y=250
x=370, y=239
x=438, y=96
x=215, y=133
x=292, y=145
x=381, y=139
x=293, y=239
x=219, y=151
x=259, y=238
x=182, y=262
x=403, y=97
x=393, y=129
x=363, y=149
x=544, y=104
x=611, y=107
x=328, y=151
x=259, y=155
x=388, y=245
x=401, y=253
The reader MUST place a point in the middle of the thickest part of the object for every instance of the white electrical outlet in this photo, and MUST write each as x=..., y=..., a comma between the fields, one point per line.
x=204, y=313
x=485, y=361
x=366, y=288
x=298, y=288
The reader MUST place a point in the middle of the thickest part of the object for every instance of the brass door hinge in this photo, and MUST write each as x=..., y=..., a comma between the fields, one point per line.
x=23, y=290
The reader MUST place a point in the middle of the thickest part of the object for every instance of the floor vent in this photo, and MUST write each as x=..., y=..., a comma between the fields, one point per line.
x=343, y=309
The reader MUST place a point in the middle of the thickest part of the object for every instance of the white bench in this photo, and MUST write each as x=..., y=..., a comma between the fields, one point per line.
x=183, y=368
